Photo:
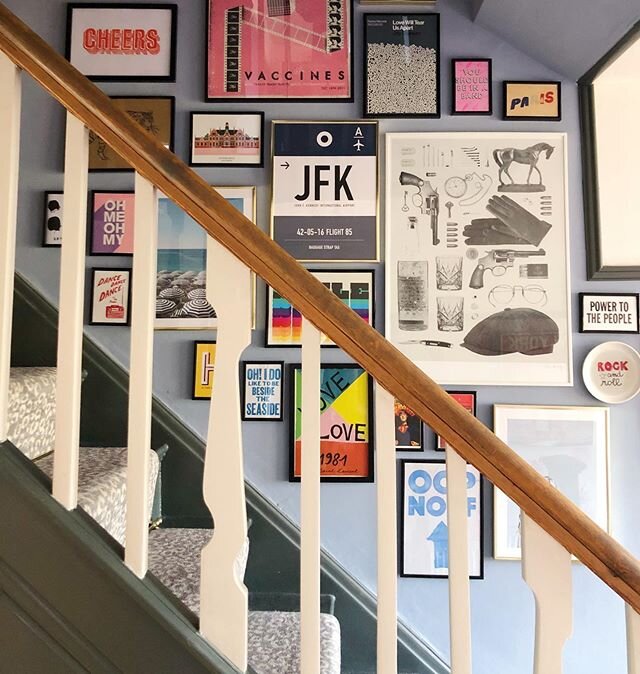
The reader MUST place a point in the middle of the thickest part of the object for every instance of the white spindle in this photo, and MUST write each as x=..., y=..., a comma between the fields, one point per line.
x=142, y=309
x=310, y=502
x=459, y=595
x=633, y=641
x=546, y=568
x=10, y=85
x=387, y=642
x=70, y=322
x=223, y=595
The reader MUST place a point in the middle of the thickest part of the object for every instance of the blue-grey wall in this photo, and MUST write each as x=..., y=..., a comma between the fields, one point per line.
x=502, y=605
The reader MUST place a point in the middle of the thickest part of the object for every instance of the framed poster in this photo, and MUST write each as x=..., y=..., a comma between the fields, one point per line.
x=402, y=65
x=284, y=323
x=53, y=219
x=408, y=427
x=471, y=87
x=123, y=42
x=424, y=546
x=324, y=200
x=227, y=139
x=476, y=261
x=204, y=361
x=181, y=284
x=346, y=423
x=468, y=400
x=155, y=114
x=279, y=49
x=262, y=384
x=569, y=446
x=112, y=215
x=609, y=312
x=532, y=101
x=110, y=296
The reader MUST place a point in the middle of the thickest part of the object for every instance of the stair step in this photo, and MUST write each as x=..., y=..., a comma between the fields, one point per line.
x=32, y=409
x=102, y=485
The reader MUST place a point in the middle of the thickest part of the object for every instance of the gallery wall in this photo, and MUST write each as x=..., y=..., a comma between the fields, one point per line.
x=502, y=606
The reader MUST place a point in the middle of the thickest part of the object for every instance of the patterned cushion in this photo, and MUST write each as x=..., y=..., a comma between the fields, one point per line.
x=102, y=485
x=274, y=642
x=32, y=409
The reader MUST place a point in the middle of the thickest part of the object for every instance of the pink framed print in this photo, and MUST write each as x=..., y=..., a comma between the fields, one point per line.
x=471, y=87
x=112, y=223
x=279, y=49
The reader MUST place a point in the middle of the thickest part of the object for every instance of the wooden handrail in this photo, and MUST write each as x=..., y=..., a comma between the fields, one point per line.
x=544, y=504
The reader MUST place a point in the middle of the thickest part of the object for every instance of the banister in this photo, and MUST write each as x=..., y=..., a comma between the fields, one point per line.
x=544, y=504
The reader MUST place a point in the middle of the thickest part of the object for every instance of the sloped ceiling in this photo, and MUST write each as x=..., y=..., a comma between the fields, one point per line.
x=569, y=36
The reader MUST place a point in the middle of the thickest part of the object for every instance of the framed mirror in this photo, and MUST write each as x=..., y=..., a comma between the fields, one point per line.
x=609, y=108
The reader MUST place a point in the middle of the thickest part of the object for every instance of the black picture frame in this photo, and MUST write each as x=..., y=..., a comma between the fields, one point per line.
x=634, y=297
x=243, y=388
x=417, y=425
x=439, y=446
x=92, y=197
x=111, y=270
x=402, y=573
x=531, y=118
x=292, y=367
x=196, y=343
x=283, y=99
x=172, y=132
x=227, y=113
x=48, y=213
x=269, y=306
x=172, y=8
x=366, y=112
x=596, y=268
x=471, y=113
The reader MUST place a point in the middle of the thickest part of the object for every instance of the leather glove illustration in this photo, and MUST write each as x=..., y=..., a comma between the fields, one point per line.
x=519, y=220
x=490, y=232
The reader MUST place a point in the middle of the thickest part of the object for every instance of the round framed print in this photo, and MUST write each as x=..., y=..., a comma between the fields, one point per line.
x=611, y=372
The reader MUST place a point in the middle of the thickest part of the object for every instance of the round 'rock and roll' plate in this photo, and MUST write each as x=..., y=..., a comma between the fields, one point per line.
x=611, y=372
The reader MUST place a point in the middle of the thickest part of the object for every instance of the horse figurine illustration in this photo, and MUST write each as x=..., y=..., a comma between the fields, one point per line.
x=506, y=156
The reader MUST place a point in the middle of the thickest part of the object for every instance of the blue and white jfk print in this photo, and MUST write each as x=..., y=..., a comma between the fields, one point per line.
x=425, y=534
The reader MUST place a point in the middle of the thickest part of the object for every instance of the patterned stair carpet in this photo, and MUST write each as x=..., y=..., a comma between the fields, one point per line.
x=274, y=636
x=102, y=482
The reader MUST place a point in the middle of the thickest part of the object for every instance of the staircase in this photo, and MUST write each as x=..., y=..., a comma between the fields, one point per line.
x=230, y=638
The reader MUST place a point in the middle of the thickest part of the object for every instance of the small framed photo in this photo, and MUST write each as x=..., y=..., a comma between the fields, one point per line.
x=569, y=447
x=112, y=216
x=262, y=385
x=424, y=544
x=204, y=359
x=468, y=400
x=155, y=114
x=123, y=42
x=402, y=65
x=609, y=312
x=110, y=296
x=227, y=139
x=408, y=427
x=532, y=101
x=472, y=92
x=284, y=322
x=53, y=218
x=346, y=423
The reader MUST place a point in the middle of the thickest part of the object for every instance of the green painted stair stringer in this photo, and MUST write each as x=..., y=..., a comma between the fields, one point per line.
x=275, y=539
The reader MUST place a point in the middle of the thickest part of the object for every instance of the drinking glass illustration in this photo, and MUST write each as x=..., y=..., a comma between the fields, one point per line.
x=413, y=308
x=450, y=314
x=449, y=272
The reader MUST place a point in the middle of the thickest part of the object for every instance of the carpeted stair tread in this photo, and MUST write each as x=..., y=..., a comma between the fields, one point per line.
x=32, y=409
x=274, y=636
x=102, y=485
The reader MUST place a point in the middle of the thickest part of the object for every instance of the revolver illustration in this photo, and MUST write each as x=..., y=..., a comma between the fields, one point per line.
x=498, y=261
x=426, y=199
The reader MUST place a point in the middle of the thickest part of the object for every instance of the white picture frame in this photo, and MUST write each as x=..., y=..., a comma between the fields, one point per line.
x=568, y=445
x=482, y=201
